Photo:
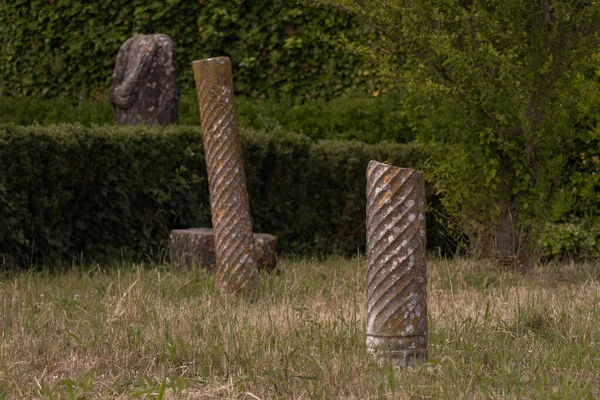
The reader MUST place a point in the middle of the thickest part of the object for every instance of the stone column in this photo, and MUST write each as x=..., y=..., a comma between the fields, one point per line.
x=230, y=209
x=396, y=272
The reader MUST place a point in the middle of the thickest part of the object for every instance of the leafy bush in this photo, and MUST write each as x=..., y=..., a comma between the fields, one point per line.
x=73, y=191
x=68, y=48
x=579, y=189
x=574, y=228
x=576, y=240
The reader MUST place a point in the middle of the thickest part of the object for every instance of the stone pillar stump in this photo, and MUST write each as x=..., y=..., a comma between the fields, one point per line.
x=396, y=270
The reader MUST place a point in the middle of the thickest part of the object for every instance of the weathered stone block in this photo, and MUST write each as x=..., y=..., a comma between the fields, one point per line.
x=145, y=87
x=192, y=247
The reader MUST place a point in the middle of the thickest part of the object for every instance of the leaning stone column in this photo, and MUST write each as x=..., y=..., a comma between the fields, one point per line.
x=229, y=204
x=396, y=272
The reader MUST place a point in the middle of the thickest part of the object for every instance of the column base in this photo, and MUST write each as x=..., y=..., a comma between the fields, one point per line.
x=401, y=351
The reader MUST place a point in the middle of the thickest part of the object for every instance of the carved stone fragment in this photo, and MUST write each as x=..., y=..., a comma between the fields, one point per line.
x=145, y=87
x=396, y=271
x=195, y=247
x=230, y=209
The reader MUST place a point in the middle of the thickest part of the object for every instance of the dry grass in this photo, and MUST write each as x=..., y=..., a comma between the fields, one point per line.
x=140, y=331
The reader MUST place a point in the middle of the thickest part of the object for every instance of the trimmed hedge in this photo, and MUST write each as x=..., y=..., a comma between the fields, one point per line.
x=103, y=192
x=350, y=117
x=34, y=110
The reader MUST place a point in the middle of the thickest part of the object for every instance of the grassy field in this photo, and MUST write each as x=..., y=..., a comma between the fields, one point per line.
x=146, y=332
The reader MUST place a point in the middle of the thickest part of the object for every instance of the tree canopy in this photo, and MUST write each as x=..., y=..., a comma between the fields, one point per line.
x=499, y=81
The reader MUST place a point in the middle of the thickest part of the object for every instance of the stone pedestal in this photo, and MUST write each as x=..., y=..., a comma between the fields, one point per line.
x=396, y=271
x=195, y=247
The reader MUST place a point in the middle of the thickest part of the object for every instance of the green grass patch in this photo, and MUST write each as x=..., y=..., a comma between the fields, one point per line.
x=135, y=331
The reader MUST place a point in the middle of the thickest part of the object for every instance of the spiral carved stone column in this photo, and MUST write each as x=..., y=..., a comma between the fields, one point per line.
x=396, y=273
x=230, y=209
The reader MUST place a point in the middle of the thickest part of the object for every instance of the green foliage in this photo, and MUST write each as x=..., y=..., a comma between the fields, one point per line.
x=578, y=239
x=574, y=227
x=350, y=117
x=34, y=110
x=579, y=193
x=103, y=192
x=497, y=81
x=68, y=48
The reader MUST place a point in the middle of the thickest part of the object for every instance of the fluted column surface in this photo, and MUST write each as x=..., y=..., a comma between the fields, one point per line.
x=230, y=208
x=396, y=272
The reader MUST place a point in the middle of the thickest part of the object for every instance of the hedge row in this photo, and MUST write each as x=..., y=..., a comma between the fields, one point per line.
x=103, y=192
x=68, y=48
x=351, y=117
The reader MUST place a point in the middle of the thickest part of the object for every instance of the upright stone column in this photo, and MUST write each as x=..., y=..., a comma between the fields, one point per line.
x=396, y=274
x=236, y=269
